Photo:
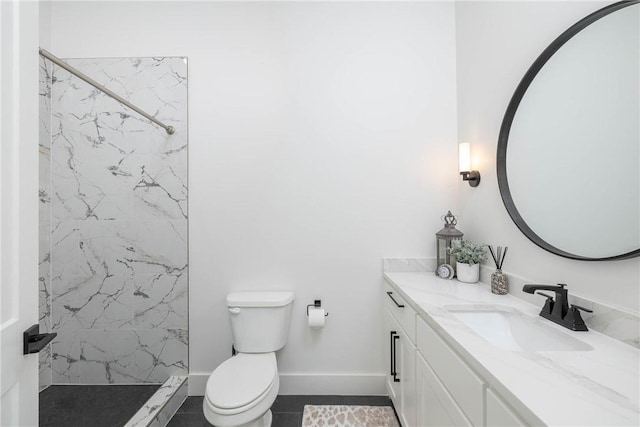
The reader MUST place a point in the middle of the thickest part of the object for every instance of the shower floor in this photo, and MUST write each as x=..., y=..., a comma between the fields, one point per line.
x=92, y=405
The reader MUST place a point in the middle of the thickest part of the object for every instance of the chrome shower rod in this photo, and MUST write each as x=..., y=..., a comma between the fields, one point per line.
x=59, y=62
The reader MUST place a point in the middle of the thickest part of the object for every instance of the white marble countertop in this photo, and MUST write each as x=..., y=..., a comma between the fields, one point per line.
x=598, y=387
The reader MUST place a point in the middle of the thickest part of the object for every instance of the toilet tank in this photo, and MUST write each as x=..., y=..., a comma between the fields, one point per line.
x=259, y=320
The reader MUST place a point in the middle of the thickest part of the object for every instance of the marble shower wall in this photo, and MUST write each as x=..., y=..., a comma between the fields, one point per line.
x=44, y=218
x=118, y=223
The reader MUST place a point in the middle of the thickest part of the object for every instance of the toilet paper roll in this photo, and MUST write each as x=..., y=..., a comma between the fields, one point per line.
x=316, y=318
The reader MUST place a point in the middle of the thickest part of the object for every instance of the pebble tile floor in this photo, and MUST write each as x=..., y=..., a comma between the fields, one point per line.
x=114, y=405
x=287, y=410
x=91, y=405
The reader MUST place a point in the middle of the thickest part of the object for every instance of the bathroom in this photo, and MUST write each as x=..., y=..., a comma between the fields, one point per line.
x=322, y=138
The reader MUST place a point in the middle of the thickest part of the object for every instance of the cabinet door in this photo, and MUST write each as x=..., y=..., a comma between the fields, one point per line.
x=499, y=414
x=435, y=406
x=407, y=374
x=391, y=330
x=460, y=381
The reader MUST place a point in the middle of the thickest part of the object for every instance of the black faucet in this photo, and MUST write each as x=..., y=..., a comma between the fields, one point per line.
x=558, y=310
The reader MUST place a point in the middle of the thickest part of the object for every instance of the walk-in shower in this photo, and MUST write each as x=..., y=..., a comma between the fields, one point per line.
x=113, y=265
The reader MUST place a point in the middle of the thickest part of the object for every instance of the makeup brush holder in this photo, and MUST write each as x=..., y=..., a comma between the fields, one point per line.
x=499, y=283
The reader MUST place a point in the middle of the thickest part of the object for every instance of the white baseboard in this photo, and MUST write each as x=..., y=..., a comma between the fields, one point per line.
x=341, y=384
x=198, y=383
x=304, y=383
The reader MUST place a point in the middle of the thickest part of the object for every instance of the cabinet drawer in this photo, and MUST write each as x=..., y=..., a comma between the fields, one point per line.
x=404, y=314
x=462, y=383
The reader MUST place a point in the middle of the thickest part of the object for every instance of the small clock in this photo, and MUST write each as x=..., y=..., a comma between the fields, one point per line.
x=445, y=271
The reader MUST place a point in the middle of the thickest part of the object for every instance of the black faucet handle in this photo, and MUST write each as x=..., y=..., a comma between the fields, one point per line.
x=545, y=295
x=531, y=288
x=548, y=303
x=581, y=308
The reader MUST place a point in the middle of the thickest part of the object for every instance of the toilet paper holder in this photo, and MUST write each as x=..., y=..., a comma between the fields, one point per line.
x=316, y=304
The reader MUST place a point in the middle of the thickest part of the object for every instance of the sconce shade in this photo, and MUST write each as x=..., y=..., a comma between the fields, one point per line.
x=464, y=165
x=464, y=157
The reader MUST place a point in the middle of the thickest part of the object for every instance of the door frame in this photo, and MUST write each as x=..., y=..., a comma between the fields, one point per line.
x=19, y=67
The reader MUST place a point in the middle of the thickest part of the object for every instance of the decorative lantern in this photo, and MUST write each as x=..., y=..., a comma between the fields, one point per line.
x=444, y=238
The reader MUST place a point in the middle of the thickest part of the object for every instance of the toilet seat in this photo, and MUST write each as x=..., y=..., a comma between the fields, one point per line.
x=239, y=382
x=241, y=389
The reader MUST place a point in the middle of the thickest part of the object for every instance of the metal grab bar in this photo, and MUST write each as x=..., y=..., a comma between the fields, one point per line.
x=51, y=57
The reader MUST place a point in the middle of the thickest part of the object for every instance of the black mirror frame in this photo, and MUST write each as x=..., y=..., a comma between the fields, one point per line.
x=507, y=121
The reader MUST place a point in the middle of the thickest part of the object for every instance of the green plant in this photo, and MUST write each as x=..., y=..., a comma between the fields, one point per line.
x=468, y=252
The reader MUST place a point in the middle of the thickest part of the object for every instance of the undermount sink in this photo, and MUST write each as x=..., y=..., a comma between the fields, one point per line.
x=511, y=330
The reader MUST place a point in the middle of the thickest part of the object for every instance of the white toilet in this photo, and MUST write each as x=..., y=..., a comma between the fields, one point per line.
x=242, y=389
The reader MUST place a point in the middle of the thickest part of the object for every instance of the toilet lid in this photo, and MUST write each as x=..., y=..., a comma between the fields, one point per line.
x=240, y=380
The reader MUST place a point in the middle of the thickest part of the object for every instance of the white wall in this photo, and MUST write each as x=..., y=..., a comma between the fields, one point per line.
x=44, y=12
x=321, y=138
x=496, y=43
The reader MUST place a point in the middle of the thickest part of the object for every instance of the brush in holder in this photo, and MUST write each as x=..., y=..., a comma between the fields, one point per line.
x=499, y=283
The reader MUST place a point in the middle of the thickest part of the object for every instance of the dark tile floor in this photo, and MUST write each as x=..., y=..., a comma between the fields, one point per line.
x=91, y=405
x=287, y=410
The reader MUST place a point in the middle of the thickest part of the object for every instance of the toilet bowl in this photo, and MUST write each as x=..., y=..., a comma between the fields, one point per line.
x=240, y=392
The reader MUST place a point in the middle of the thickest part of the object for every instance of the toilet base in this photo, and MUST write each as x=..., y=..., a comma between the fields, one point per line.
x=263, y=421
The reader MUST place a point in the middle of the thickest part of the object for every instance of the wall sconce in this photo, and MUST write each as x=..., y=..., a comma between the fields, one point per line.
x=464, y=165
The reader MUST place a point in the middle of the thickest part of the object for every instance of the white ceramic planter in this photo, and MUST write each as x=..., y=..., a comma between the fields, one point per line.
x=467, y=273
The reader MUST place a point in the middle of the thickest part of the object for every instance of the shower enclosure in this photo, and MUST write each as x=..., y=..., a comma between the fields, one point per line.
x=113, y=267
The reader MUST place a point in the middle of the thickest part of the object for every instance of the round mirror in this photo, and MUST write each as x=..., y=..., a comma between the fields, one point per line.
x=569, y=146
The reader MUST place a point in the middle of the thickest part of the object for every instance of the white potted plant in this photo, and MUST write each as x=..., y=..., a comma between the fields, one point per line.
x=468, y=256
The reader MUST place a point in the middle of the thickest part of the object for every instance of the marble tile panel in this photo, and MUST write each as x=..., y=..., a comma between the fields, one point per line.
x=75, y=255
x=101, y=301
x=117, y=208
x=129, y=356
x=81, y=249
x=44, y=313
x=161, y=191
x=89, y=183
x=108, y=357
x=161, y=353
x=65, y=357
x=160, y=300
x=87, y=291
x=154, y=84
x=96, y=145
x=44, y=181
x=44, y=286
x=44, y=368
x=44, y=125
x=44, y=218
x=160, y=247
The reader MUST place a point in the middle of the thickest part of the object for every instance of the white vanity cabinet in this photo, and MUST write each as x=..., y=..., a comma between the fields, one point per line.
x=400, y=330
x=428, y=382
